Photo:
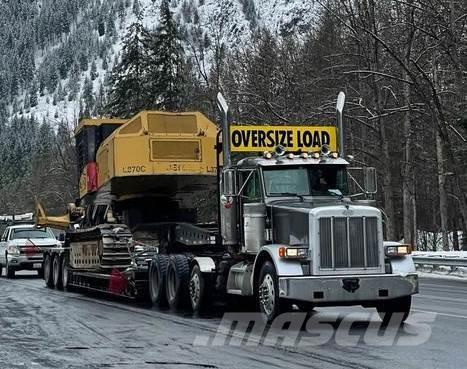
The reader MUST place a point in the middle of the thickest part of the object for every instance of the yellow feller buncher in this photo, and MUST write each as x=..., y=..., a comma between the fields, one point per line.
x=137, y=176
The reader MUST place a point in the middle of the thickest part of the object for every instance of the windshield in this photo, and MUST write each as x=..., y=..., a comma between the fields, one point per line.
x=24, y=233
x=323, y=180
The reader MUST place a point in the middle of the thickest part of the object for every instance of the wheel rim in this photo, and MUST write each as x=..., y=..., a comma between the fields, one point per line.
x=195, y=289
x=171, y=285
x=267, y=294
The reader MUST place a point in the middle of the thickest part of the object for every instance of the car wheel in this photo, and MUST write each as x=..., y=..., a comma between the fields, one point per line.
x=178, y=273
x=10, y=272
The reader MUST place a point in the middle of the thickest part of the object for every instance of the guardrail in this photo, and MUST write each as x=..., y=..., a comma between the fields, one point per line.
x=439, y=260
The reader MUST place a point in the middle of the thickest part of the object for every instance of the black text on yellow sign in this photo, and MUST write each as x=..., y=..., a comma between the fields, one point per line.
x=293, y=138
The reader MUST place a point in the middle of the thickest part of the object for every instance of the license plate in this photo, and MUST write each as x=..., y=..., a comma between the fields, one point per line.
x=37, y=265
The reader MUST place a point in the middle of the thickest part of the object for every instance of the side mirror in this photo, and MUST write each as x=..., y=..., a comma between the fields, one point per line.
x=369, y=180
x=61, y=237
x=229, y=182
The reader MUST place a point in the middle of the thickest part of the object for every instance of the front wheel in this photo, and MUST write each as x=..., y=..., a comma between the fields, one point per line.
x=200, y=289
x=267, y=293
x=10, y=272
x=400, y=308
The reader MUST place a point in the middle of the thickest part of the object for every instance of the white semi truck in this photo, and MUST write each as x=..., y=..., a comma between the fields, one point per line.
x=291, y=233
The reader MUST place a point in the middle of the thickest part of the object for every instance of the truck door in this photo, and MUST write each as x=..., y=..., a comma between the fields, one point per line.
x=250, y=192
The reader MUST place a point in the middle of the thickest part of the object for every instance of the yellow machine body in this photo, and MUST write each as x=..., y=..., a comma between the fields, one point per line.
x=155, y=143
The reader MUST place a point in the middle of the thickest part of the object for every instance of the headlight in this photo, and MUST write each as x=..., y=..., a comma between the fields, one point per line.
x=293, y=252
x=13, y=250
x=398, y=250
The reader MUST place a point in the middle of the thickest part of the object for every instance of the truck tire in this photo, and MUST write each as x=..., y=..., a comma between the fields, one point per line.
x=57, y=272
x=157, y=279
x=401, y=306
x=199, y=288
x=10, y=272
x=48, y=261
x=65, y=275
x=178, y=274
x=267, y=292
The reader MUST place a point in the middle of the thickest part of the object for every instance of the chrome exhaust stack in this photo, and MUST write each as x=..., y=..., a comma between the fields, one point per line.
x=340, y=122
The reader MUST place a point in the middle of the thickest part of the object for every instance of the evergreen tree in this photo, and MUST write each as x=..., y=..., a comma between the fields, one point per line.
x=166, y=64
x=33, y=93
x=127, y=92
x=88, y=96
x=93, y=73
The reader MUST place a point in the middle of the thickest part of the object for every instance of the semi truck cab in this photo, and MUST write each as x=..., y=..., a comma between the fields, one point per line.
x=303, y=239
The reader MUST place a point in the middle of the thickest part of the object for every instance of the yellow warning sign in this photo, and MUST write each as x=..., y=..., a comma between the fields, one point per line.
x=293, y=138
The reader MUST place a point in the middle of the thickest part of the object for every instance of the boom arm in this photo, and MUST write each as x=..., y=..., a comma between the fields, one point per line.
x=42, y=220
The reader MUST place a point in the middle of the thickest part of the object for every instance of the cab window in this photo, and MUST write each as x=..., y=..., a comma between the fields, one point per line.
x=252, y=189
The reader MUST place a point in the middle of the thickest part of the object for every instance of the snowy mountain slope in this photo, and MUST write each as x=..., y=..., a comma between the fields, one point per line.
x=230, y=22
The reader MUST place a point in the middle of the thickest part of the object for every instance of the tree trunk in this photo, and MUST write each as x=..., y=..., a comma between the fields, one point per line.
x=388, y=190
x=455, y=240
x=407, y=202
x=443, y=198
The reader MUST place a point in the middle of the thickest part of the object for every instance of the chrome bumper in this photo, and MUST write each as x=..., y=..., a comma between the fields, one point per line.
x=348, y=289
x=25, y=261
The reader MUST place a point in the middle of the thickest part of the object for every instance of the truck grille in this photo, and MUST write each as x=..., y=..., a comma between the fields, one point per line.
x=349, y=242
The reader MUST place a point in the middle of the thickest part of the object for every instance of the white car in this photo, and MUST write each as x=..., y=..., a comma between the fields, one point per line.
x=21, y=248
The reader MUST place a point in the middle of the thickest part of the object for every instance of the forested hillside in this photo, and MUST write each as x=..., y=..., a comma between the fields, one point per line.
x=401, y=64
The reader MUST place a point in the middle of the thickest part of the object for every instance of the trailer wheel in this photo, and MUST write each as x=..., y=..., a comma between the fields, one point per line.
x=48, y=261
x=65, y=275
x=57, y=272
x=200, y=288
x=157, y=279
x=267, y=293
x=178, y=273
x=389, y=308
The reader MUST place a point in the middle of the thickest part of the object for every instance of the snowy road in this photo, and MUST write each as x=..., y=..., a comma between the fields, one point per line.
x=41, y=328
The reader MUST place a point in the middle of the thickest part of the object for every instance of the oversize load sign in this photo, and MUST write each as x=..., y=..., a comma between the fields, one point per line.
x=293, y=138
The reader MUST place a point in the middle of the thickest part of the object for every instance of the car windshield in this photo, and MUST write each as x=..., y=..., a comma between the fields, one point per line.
x=322, y=180
x=21, y=233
